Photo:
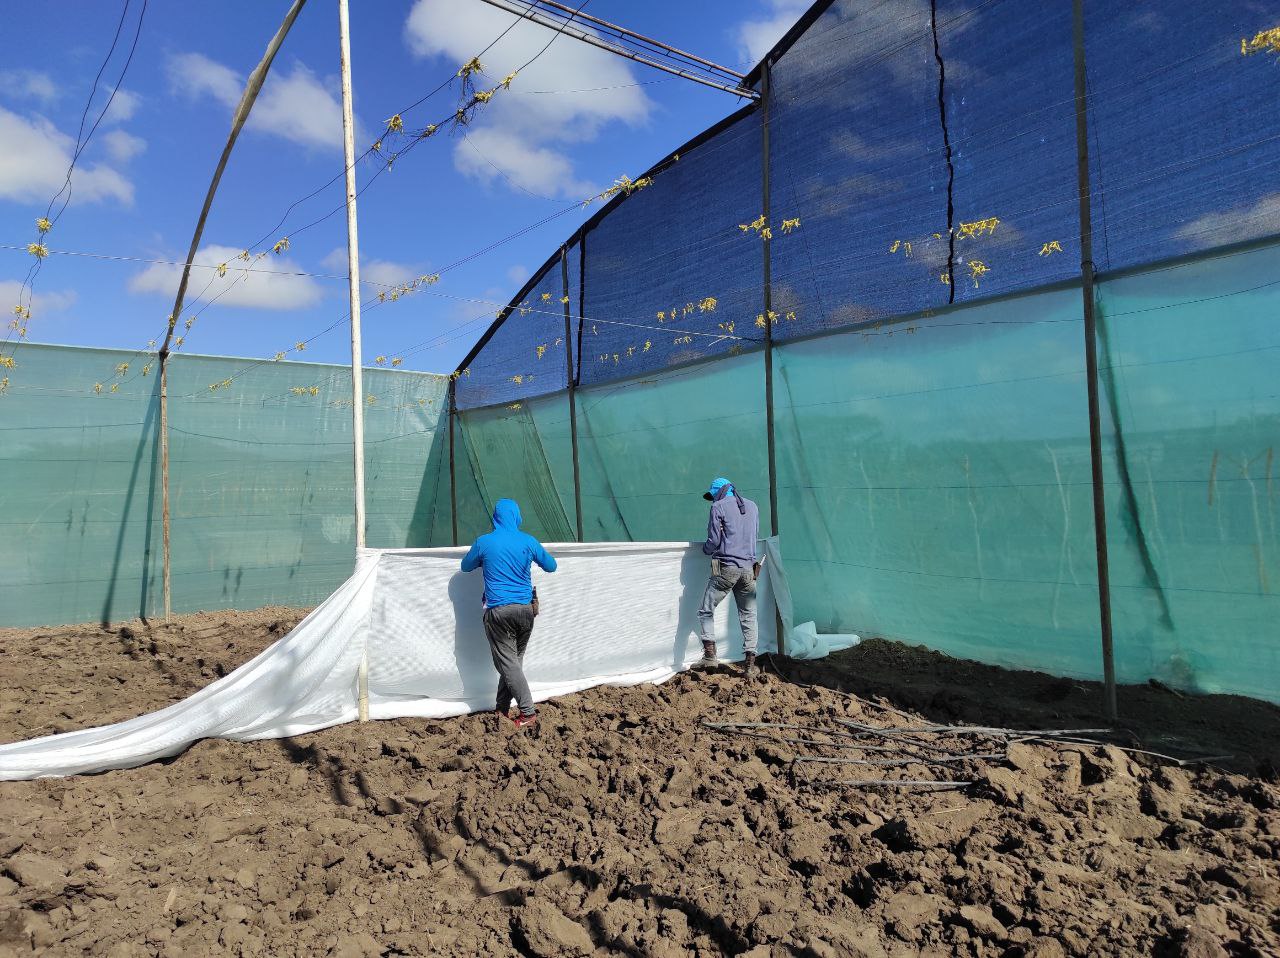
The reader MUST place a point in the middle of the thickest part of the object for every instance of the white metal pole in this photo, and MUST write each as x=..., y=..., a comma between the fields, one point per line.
x=353, y=271
x=353, y=283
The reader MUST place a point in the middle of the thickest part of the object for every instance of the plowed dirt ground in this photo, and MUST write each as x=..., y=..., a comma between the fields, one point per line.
x=624, y=826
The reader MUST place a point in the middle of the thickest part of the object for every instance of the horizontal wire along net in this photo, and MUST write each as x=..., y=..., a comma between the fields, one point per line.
x=670, y=276
x=525, y=355
x=1181, y=159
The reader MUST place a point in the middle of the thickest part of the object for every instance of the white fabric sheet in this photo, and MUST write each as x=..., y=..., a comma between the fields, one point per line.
x=612, y=614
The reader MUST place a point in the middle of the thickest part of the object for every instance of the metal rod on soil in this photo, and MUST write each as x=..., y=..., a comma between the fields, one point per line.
x=805, y=741
x=893, y=762
x=990, y=730
x=1198, y=760
x=896, y=783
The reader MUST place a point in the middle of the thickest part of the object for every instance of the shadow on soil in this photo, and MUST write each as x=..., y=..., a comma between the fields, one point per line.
x=944, y=689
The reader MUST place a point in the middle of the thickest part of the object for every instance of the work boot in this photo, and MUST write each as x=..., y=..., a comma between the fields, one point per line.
x=709, y=659
x=751, y=668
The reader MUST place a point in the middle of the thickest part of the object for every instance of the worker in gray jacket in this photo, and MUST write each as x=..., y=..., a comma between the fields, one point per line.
x=733, y=529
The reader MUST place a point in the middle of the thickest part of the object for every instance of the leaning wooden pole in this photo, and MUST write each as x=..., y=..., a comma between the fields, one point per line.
x=251, y=89
x=353, y=295
x=1091, y=361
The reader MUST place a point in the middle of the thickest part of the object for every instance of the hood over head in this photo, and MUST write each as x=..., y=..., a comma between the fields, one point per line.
x=506, y=514
x=720, y=487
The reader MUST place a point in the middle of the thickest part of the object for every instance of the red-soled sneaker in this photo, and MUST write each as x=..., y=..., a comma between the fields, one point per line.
x=525, y=720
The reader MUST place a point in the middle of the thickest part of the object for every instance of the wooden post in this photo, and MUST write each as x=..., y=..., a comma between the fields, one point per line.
x=1091, y=362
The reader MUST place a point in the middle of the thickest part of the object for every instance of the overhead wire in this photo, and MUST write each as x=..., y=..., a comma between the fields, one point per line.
x=459, y=117
x=50, y=219
x=494, y=245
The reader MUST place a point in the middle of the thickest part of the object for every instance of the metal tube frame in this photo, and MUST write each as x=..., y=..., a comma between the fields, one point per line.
x=768, y=332
x=1087, y=283
x=453, y=480
x=534, y=17
x=572, y=386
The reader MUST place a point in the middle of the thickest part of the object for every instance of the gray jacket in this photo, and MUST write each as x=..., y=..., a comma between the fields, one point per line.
x=733, y=529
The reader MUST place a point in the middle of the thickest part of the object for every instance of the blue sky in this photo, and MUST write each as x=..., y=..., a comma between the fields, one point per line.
x=571, y=123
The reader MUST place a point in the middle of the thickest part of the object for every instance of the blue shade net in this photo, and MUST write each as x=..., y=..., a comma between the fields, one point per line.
x=525, y=355
x=1183, y=158
x=670, y=276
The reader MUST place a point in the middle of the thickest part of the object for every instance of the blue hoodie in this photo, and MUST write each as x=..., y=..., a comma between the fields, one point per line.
x=505, y=555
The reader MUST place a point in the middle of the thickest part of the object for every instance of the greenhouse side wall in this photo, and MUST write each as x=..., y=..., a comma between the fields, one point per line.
x=260, y=482
x=911, y=179
x=934, y=476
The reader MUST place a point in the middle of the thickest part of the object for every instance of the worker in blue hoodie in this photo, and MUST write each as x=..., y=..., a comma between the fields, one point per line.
x=733, y=529
x=505, y=556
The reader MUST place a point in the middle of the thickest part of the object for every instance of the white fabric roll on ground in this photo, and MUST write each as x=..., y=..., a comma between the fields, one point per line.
x=612, y=614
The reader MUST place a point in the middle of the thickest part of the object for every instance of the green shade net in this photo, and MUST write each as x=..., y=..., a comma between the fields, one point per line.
x=260, y=481
x=934, y=476
x=1189, y=357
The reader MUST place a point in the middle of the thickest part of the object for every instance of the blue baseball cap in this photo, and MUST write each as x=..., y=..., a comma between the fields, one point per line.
x=716, y=485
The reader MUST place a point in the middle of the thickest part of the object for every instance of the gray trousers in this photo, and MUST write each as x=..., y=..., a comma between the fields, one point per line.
x=742, y=583
x=508, y=628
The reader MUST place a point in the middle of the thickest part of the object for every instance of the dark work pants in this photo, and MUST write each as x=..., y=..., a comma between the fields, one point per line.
x=508, y=628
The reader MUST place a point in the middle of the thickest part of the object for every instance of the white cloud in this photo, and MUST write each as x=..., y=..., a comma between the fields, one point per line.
x=121, y=146
x=1262, y=218
x=538, y=169
x=34, y=161
x=382, y=272
x=194, y=74
x=22, y=85
x=516, y=129
x=124, y=105
x=757, y=37
x=262, y=288
x=518, y=274
x=43, y=302
x=293, y=104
